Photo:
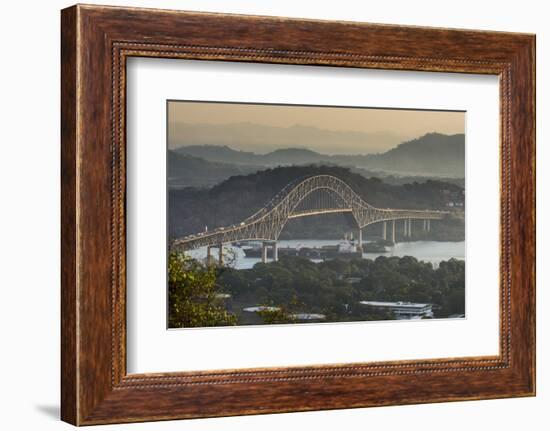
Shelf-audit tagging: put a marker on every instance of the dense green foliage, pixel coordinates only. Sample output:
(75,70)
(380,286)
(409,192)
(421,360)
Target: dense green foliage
(296,285)
(335,287)
(193,295)
(233,200)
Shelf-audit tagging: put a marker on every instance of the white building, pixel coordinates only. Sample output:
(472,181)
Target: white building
(402,310)
(308,317)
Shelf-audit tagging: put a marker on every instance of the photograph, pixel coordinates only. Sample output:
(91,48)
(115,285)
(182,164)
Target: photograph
(305,214)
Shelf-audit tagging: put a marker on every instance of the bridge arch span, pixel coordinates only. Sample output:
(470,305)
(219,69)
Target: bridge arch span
(267,223)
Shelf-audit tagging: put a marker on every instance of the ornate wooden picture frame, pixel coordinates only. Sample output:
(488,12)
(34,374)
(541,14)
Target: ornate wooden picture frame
(96,41)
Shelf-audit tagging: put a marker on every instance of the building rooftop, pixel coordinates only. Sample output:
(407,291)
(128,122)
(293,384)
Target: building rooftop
(308,316)
(395,304)
(260,308)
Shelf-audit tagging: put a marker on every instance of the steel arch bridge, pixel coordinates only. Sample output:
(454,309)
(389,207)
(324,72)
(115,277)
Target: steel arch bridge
(307,196)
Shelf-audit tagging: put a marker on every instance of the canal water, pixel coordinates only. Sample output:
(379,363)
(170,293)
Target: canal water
(428,251)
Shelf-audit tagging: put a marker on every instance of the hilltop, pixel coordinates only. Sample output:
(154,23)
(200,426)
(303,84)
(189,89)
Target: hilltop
(435,153)
(190,171)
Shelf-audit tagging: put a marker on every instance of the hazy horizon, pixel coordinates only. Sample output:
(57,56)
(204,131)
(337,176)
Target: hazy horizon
(327,130)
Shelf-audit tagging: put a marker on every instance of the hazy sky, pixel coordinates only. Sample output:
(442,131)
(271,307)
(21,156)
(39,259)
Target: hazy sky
(399,124)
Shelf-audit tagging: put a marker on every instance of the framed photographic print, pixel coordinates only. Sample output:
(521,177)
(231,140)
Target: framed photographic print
(267,215)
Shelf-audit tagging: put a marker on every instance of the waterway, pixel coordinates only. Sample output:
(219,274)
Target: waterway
(427,251)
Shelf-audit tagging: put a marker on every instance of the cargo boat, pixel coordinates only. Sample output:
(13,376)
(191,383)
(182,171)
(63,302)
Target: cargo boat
(344,250)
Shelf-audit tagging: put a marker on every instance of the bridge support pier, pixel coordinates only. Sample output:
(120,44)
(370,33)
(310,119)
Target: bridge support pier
(405,228)
(275,252)
(220,254)
(274,248)
(410,227)
(208,254)
(428,225)
(264,252)
(393,231)
(424,225)
(384,231)
(360,246)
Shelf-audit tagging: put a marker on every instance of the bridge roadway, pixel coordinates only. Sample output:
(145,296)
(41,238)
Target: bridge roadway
(319,194)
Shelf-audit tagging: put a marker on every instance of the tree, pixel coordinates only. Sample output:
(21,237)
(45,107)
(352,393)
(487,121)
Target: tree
(193,295)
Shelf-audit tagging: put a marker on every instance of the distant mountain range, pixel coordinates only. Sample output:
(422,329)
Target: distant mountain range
(433,154)
(250,136)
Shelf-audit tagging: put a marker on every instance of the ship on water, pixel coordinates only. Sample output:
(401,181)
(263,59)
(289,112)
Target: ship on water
(345,249)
